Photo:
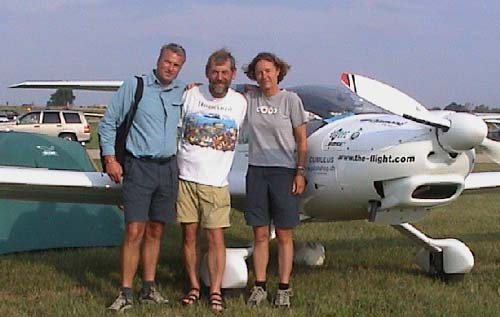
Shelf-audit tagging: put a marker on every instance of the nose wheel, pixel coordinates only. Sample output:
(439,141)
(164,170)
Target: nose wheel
(447,259)
(436,268)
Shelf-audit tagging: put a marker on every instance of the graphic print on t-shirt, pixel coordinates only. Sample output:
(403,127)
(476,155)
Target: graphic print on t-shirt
(210,130)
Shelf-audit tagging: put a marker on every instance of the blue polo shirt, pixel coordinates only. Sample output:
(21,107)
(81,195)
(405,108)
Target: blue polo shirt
(154,129)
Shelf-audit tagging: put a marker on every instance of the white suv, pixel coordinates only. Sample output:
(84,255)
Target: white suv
(66,124)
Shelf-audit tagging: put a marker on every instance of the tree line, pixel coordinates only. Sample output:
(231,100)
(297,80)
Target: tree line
(63,97)
(469,107)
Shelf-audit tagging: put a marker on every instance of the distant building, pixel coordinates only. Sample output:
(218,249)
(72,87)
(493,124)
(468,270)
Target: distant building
(27,106)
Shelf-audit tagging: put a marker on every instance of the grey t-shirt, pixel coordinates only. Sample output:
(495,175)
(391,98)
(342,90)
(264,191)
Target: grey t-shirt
(270,126)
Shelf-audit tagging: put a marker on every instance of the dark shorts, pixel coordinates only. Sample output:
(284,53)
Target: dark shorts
(269,197)
(149,190)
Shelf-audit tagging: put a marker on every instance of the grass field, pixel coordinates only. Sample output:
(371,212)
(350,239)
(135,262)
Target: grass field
(368,271)
(94,138)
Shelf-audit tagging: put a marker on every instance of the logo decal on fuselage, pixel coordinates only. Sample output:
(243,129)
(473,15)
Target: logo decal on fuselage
(378,159)
(336,135)
(321,164)
(47,150)
(385,122)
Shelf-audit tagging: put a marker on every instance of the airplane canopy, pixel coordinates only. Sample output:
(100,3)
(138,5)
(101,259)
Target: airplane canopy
(327,101)
(38,150)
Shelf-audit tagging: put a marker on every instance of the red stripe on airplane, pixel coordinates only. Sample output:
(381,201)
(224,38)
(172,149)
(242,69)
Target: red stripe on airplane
(345,79)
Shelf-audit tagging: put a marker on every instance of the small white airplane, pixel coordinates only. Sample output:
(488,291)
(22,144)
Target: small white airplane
(385,159)
(493,122)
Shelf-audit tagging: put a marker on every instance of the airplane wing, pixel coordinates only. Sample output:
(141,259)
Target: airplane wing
(94,85)
(489,117)
(43,184)
(482,180)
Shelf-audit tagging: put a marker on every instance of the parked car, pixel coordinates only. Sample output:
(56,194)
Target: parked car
(9,114)
(66,124)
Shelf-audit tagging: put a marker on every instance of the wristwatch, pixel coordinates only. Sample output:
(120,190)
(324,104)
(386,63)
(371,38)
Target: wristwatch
(300,170)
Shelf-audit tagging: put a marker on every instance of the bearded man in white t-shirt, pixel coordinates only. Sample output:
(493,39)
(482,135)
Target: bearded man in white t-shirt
(212,118)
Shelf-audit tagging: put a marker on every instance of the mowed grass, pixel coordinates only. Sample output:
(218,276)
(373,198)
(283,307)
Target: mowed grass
(94,137)
(368,271)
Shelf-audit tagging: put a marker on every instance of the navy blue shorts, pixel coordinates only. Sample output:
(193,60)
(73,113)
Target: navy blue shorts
(269,197)
(149,190)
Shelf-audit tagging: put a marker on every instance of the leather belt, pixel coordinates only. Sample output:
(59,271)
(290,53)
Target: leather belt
(159,160)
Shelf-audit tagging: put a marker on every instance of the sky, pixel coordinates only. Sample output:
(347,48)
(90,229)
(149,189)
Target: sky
(436,51)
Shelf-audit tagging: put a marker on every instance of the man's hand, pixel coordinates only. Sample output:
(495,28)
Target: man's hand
(191,85)
(113,168)
(299,184)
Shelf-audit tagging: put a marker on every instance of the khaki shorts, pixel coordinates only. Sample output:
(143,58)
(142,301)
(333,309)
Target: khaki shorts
(205,204)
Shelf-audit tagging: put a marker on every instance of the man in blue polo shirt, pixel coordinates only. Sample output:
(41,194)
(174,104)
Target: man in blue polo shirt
(150,171)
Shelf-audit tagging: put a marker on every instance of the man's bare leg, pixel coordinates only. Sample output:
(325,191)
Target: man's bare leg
(216,258)
(216,262)
(132,241)
(191,261)
(151,249)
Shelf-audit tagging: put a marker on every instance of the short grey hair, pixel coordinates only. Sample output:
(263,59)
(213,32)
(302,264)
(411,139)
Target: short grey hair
(219,57)
(174,47)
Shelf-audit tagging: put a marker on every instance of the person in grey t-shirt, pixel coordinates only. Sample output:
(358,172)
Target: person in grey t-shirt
(275,178)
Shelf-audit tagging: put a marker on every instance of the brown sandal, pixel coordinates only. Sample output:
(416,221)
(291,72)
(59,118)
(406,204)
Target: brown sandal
(191,297)
(216,302)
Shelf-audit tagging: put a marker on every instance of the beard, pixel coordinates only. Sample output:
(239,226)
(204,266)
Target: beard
(219,89)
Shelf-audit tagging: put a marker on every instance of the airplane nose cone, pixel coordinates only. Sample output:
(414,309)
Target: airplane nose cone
(466,132)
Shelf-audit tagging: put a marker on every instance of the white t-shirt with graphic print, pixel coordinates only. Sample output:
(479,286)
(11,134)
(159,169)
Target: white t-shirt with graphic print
(210,129)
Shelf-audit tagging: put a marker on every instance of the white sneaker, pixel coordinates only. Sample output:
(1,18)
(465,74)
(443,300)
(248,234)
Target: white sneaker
(121,303)
(282,299)
(257,295)
(153,297)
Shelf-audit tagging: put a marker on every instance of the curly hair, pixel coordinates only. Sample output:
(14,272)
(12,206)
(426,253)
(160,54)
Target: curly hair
(283,66)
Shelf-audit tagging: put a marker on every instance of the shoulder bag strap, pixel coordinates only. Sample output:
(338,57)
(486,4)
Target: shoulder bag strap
(133,109)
